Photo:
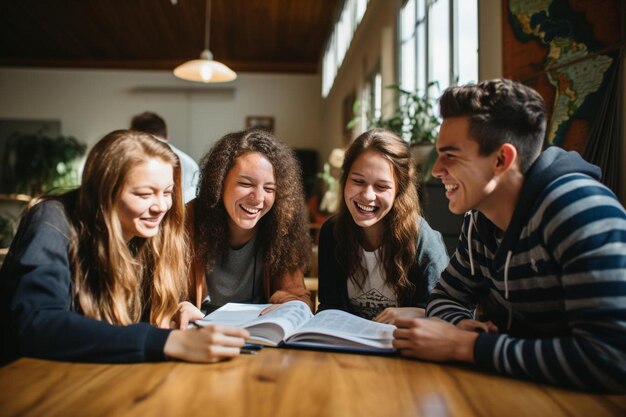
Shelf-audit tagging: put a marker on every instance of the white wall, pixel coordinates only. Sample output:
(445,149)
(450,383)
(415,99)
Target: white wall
(489,39)
(91,103)
(374,43)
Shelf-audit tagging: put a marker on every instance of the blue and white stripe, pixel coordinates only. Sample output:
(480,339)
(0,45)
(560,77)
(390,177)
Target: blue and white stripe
(566,281)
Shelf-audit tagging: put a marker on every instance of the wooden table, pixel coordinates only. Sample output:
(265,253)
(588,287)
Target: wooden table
(283,382)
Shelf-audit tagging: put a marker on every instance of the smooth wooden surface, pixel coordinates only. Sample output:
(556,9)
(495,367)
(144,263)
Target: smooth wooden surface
(283,382)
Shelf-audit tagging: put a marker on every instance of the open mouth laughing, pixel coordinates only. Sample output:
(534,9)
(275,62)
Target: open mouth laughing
(365,209)
(250,210)
(151,222)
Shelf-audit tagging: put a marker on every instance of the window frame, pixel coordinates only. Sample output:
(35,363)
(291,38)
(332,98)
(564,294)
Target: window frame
(424,51)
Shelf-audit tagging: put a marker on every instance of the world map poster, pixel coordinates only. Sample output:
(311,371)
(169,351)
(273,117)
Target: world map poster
(564,49)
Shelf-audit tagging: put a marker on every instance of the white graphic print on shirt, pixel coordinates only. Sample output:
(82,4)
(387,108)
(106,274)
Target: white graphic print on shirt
(375,295)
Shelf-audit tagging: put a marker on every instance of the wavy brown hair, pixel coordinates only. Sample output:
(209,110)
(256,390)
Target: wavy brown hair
(116,281)
(282,233)
(399,247)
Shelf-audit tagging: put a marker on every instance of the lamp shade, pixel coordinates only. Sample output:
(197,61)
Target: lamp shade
(205,70)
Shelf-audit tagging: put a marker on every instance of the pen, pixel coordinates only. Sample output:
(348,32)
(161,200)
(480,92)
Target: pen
(247,349)
(253,346)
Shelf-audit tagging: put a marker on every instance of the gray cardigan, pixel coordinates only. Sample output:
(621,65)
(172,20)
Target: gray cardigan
(333,289)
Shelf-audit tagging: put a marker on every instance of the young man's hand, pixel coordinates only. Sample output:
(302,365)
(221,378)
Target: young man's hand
(433,339)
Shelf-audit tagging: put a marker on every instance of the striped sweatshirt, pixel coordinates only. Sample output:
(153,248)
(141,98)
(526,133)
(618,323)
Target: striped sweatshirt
(554,283)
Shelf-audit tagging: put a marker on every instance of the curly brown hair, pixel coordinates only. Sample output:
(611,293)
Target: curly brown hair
(282,233)
(401,226)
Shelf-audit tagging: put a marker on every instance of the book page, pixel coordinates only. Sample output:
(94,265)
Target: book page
(272,327)
(317,340)
(290,316)
(341,323)
(233,314)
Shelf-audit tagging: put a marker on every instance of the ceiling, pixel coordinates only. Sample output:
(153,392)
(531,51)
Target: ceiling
(247,35)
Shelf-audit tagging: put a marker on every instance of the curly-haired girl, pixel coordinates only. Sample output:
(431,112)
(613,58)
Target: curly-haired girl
(378,258)
(248,224)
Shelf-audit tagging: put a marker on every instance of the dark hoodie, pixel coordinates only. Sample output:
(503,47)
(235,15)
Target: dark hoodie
(38,316)
(554,281)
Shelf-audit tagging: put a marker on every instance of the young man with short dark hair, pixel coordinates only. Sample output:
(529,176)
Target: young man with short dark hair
(542,251)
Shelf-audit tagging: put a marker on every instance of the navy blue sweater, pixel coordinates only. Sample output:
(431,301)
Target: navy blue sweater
(554,283)
(39,318)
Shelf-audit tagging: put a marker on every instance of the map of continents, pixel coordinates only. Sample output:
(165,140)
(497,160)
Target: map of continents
(573,77)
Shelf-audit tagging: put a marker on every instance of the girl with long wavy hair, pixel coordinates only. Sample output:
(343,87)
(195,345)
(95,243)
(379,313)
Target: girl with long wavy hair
(97,274)
(378,258)
(249,224)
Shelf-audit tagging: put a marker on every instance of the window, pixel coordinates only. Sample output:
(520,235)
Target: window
(438,43)
(376,95)
(339,41)
(371,99)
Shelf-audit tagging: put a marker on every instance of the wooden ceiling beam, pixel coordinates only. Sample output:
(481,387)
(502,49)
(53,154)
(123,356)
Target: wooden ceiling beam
(162,64)
(248,35)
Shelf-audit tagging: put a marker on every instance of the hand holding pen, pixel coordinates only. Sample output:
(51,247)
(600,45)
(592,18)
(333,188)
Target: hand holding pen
(211,343)
(247,349)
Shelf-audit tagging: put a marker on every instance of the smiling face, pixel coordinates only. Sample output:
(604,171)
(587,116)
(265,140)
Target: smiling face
(145,198)
(249,194)
(469,177)
(370,190)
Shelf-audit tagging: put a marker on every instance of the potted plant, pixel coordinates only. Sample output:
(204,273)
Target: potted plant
(414,120)
(330,199)
(33,164)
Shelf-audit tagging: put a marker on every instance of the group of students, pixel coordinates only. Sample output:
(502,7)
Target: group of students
(115,270)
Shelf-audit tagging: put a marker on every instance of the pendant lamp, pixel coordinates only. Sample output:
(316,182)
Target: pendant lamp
(205,69)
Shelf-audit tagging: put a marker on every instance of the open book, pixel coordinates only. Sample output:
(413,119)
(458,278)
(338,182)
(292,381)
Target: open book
(293,324)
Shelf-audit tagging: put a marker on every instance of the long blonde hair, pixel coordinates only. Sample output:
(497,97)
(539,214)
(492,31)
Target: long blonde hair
(116,281)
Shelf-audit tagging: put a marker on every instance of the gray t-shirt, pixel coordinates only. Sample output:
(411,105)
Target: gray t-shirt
(238,278)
